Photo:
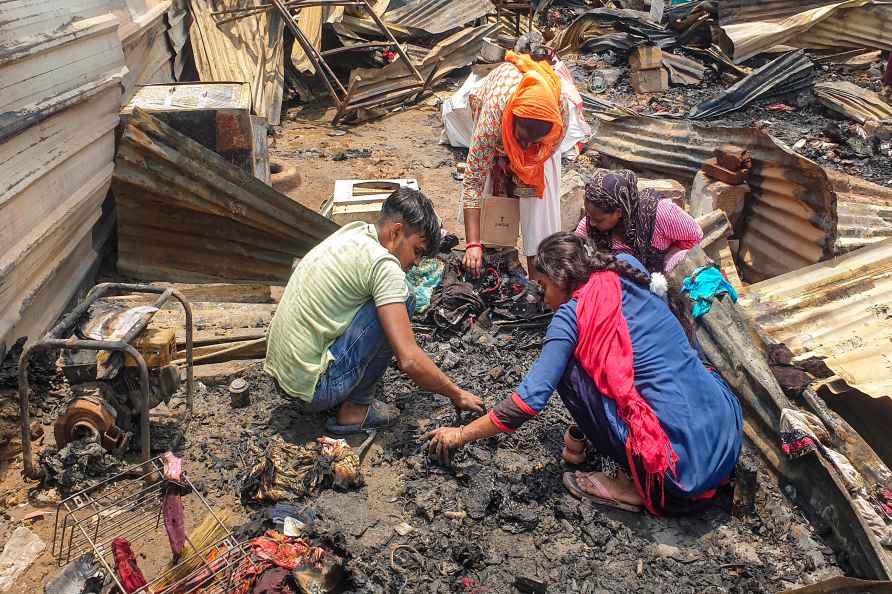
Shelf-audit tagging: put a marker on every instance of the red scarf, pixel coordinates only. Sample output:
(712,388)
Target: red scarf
(605,352)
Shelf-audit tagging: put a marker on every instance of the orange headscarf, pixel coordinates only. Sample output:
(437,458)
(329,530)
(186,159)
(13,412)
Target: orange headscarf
(538,96)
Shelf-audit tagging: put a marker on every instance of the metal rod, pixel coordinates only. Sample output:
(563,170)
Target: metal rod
(342,107)
(310,51)
(399,48)
(358,46)
(428,80)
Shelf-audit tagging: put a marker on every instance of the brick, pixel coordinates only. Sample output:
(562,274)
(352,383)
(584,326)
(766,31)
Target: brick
(646,58)
(733,158)
(716,171)
(650,81)
(708,195)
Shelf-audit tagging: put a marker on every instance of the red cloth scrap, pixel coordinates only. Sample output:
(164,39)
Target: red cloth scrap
(125,566)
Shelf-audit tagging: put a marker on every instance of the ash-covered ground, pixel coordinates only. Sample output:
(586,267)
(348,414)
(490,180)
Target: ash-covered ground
(498,520)
(830,139)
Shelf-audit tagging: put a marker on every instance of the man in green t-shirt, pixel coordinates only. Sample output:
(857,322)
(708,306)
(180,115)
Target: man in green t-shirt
(345,315)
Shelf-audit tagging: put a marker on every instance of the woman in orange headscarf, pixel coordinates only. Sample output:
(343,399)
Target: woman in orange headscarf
(519,113)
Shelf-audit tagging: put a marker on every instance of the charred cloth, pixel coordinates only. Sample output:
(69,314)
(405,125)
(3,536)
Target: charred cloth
(287,472)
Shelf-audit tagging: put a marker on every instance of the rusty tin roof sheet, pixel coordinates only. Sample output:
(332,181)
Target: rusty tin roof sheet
(186,214)
(852,101)
(839,311)
(792,220)
(748,11)
(438,16)
(865,211)
(852,24)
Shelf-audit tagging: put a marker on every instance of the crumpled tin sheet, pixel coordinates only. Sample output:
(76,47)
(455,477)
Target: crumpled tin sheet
(854,102)
(839,311)
(438,16)
(853,24)
(749,11)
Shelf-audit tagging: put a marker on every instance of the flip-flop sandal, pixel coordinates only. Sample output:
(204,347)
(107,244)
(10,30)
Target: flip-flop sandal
(603,499)
(377,417)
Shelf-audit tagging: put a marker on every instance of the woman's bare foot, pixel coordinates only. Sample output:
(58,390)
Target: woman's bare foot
(620,488)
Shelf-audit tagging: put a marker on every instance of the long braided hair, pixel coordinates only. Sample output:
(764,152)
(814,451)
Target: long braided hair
(569,260)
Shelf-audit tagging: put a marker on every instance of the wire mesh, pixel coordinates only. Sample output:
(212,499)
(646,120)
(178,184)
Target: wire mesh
(128,505)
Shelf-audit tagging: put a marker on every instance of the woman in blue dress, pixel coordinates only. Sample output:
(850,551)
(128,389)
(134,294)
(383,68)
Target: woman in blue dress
(630,379)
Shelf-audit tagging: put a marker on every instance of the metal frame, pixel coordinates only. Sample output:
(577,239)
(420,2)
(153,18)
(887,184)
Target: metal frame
(129,505)
(516,8)
(343,97)
(53,340)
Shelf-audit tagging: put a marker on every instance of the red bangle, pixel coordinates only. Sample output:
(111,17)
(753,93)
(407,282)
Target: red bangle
(473,245)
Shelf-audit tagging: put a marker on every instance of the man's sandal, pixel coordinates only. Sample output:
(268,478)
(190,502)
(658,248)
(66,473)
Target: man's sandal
(379,416)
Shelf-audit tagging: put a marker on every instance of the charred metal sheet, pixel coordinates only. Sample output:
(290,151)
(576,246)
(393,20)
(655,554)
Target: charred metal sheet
(853,24)
(790,73)
(852,101)
(186,214)
(438,16)
(791,221)
(608,28)
(839,311)
(683,70)
(737,353)
(248,49)
(865,211)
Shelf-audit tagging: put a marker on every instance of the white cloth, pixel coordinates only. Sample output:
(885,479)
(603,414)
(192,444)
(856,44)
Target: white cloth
(540,217)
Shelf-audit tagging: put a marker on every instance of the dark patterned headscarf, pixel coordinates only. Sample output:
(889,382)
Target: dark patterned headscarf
(618,190)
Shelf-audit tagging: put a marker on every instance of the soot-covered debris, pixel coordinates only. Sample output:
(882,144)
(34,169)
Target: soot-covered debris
(79,465)
(499,519)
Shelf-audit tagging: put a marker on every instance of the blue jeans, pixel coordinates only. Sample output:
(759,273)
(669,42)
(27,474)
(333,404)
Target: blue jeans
(361,356)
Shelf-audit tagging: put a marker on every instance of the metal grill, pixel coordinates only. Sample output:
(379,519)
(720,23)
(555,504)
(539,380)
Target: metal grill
(129,506)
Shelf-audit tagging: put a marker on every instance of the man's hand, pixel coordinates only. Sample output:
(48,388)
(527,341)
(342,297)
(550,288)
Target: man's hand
(467,401)
(474,261)
(445,441)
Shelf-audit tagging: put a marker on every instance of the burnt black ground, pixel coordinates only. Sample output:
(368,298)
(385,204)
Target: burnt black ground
(519,526)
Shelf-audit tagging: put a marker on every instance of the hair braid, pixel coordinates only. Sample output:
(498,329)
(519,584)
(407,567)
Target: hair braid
(570,260)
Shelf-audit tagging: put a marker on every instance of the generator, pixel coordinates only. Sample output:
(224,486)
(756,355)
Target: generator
(117,367)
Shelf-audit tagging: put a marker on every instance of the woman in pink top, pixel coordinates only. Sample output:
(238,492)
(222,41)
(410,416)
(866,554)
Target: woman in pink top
(645,224)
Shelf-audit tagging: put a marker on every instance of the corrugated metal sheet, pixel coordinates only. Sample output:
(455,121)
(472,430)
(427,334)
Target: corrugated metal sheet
(186,214)
(855,24)
(865,211)
(868,26)
(789,73)
(839,311)
(601,29)
(148,56)
(852,101)
(456,51)
(62,66)
(248,49)
(748,11)
(792,220)
(439,16)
